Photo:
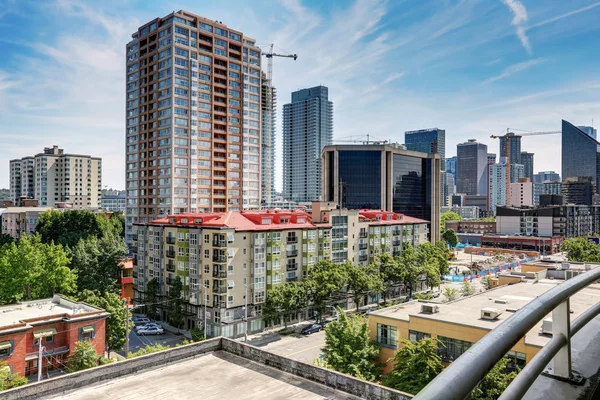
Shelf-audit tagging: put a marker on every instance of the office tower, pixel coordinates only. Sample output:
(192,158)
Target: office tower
(580,154)
(450,186)
(521,193)
(54,176)
(491,158)
(497,183)
(471,168)
(307,128)
(515,147)
(527,161)
(386,177)
(552,187)
(193,119)
(451,165)
(269,104)
(430,141)
(589,130)
(544,176)
(578,190)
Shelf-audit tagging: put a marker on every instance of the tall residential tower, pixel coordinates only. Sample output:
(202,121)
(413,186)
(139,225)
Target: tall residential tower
(307,128)
(193,119)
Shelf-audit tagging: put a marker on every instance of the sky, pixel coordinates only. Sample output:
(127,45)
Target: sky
(471,67)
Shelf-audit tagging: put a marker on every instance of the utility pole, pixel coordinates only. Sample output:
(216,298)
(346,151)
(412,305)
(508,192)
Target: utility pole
(246,313)
(126,329)
(205,302)
(40,349)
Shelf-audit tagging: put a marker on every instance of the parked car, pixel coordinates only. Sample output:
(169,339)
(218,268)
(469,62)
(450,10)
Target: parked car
(436,293)
(150,325)
(140,320)
(153,330)
(307,330)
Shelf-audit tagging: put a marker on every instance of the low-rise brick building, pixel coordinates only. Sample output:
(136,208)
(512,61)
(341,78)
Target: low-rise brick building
(57,322)
(472,226)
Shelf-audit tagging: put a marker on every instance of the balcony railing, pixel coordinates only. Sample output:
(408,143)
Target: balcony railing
(291,267)
(294,279)
(220,290)
(363,257)
(363,246)
(292,239)
(171,267)
(459,379)
(220,243)
(220,304)
(220,274)
(170,254)
(170,239)
(291,253)
(220,258)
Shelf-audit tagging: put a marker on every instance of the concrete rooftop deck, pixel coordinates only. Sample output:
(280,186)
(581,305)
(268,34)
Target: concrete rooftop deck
(218,375)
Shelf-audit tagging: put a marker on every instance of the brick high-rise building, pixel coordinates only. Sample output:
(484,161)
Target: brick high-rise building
(193,119)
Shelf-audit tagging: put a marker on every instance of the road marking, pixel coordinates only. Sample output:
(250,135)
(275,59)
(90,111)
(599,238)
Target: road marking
(300,351)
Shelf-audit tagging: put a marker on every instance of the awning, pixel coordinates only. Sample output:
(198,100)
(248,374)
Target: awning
(87,329)
(44,333)
(5,345)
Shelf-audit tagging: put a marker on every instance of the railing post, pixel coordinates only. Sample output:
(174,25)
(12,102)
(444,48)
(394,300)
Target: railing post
(561,324)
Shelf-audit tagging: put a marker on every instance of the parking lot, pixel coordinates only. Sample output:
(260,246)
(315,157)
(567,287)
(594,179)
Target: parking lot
(305,348)
(136,341)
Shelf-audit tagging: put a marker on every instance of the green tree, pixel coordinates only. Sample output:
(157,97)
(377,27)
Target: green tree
(581,249)
(97,262)
(197,335)
(486,282)
(450,293)
(9,380)
(348,348)
(30,269)
(362,281)
(284,300)
(83,357)
(116,322)
(417,364)
(324,279)
(148,350)
(495,382)
(68,227)
(450,237)
(408,262)
(5,238)
(392,272)
(448,216)
(467,289)
(151,298)
(175,307)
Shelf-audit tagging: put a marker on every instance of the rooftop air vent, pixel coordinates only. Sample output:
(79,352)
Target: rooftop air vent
(547,326)
(490,313)
(429,309)
(501,301)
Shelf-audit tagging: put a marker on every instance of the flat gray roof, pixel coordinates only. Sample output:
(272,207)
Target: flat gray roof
(48,308)
(467,310)
(219,375)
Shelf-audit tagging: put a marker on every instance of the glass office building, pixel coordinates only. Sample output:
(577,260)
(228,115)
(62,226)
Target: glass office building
(430,141)
(580,154)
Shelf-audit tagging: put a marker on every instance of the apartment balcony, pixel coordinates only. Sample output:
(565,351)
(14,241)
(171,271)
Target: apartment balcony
(221,259)
(396,232)
(396,253)
(220,243)
(363,257)
(363,234)
(170,281)
(292,239)
(220,274)
(395,243)
(291,253)
(171,266)
(363,246)
(171,253)
(171,239)
(220,290)
(294,279)
(291,267)
(220,304)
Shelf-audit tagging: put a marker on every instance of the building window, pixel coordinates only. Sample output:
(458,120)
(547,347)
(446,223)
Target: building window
(450,349)
(87,333)
(387,336)
(416,336)
(46,334)
(6,348)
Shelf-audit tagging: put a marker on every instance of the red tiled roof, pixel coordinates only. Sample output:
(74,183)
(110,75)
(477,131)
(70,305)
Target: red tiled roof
(381,217)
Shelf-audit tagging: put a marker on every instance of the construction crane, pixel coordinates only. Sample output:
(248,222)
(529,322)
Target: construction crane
(268,102)
(508,135)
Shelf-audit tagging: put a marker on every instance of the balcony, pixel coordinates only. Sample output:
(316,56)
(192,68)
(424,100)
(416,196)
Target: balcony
(294,279)
(396,232)
(291,253)
(292,239)
(220,274)
(291,267)
(171,253)
(221,259)
(171,239)
(363,234)
(363,257)
(220,290)
(395,243)
(220,243)
(220,304)
(171,266)
(363,246)
(562,369)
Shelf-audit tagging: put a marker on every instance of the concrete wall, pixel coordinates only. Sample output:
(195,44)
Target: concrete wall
(345,383)
(80,379)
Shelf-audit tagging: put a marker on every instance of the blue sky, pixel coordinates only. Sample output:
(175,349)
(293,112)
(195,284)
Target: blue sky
(473,68)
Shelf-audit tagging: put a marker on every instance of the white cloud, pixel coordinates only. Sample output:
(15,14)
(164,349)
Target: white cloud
(519,18)
(512,70)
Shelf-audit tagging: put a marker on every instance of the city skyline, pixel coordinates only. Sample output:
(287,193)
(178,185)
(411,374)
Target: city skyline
(51,86)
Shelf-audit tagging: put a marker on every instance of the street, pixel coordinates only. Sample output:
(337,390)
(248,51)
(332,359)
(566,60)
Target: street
(136,342)
(305,348)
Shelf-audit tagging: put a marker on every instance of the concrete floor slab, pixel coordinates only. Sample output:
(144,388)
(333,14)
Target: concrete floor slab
(219,375)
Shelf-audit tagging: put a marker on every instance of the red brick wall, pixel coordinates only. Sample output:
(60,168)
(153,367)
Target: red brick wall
(99,338)
(17,358)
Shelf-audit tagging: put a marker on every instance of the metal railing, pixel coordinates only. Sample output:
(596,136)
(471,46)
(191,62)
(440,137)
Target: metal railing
(459,379)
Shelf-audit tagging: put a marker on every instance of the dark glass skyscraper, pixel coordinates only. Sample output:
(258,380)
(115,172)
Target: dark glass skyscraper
(580,154)
(515,148)
(527,161)
(430,141)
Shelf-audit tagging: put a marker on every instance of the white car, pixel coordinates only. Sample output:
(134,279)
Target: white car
(140,320)
(153,330)
(149,325)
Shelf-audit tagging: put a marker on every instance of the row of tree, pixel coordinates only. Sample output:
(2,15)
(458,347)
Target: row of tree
(327,281)
(350,350)
(581,249)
